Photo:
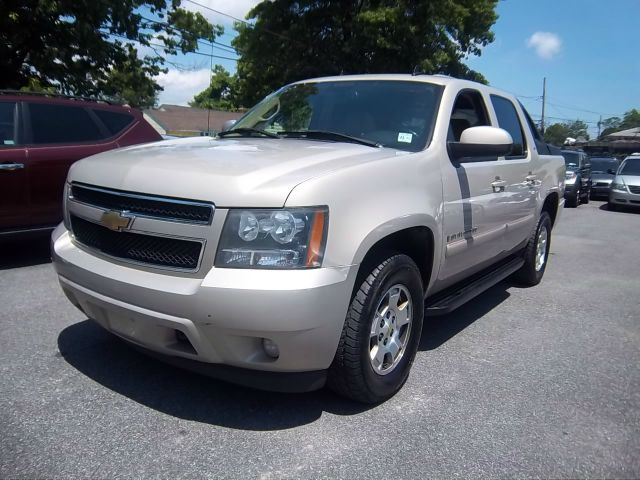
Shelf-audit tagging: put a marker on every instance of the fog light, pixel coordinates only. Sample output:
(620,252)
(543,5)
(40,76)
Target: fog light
(270,348)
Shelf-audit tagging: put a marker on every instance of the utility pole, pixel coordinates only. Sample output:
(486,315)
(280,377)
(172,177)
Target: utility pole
(599,123)
(544,99)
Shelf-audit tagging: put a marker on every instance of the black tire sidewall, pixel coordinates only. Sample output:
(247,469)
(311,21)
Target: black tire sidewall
(401,271)
(544,222)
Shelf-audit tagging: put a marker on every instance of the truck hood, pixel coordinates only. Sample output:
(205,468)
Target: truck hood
(243,172)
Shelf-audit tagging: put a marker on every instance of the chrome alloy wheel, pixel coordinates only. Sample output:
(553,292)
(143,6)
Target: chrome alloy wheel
(541,248)
(390,329)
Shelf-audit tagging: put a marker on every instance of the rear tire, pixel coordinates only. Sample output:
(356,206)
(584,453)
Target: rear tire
(536,254)
(387,309)
(586,197)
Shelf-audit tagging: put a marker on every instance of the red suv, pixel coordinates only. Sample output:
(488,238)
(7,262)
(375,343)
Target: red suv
(40,137)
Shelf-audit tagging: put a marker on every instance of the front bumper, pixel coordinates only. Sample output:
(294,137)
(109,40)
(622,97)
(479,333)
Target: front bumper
(220,319)
(600,190)
(624,198)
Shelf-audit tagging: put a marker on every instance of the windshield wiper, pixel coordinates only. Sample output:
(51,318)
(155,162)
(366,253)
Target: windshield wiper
(244,131)
(326,135)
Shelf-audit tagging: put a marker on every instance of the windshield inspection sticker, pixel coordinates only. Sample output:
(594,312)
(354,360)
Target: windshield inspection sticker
(405,137)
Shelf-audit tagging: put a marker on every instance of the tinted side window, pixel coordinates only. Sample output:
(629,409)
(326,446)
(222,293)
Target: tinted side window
(537,138)
(62,124)
(114,121)
(532,126)
(468,111)
(7,123)
(508,119)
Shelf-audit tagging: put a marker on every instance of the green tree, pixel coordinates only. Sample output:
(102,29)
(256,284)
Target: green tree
(89,47)
(610,125)
(295,39)
(630,119)
(557,133)
(219,95)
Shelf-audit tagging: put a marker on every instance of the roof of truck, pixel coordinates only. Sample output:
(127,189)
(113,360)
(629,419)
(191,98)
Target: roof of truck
(437,79)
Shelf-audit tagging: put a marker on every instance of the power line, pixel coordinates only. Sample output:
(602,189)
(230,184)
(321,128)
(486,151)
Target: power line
(563,119)
(208,44)
(567,106)
(164,46)
(219,12)
(252,25)
(532,97)
(579,109)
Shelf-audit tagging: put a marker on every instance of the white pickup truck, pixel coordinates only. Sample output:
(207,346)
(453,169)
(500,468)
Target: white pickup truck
(305,244)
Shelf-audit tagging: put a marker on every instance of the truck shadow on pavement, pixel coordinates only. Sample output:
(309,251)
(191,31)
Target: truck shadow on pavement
(110,362)
(25,253)
(438,330)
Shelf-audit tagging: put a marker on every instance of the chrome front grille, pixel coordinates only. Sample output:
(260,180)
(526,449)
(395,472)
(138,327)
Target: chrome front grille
(634,188)
(136,247)
(147,230)
(143,205)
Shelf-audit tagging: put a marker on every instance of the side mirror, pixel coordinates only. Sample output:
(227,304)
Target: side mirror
(478,144)
(228,124)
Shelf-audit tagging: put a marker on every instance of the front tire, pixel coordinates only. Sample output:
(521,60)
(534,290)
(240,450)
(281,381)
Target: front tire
(536,254)
(381,333)
(574,200)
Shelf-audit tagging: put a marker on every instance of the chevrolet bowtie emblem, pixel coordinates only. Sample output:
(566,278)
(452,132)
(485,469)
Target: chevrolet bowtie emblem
(116,221)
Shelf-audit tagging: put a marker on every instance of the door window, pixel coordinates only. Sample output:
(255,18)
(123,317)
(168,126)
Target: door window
(508,120)
(114,121)
(62,124)
(468,111)
(7,123)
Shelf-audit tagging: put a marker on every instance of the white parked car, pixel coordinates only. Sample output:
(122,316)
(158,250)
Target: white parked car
(625,187)
(299,247)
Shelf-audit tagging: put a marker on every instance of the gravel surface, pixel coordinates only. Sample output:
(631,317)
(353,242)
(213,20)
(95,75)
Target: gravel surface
(539,382)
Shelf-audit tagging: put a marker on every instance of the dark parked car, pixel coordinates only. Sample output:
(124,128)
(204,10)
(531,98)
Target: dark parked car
(603,169)
(40,137)
(578,177)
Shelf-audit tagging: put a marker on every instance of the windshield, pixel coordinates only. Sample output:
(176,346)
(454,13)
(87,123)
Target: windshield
(630,167)
(395,114)
(571,160)
(603,165)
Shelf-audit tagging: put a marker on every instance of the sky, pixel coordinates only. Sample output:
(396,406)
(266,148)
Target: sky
(586,49)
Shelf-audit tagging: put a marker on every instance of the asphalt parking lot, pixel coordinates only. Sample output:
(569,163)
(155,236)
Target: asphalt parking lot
(540,382)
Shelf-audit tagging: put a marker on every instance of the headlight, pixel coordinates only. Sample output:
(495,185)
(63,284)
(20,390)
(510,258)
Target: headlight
(570,177)
(619,186)
(283,238)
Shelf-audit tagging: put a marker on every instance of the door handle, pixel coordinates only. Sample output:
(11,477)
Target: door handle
(498,186)
(11,166)
(531,179)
